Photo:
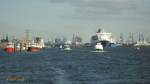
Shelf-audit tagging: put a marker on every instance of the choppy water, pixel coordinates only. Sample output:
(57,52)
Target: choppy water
(79,66)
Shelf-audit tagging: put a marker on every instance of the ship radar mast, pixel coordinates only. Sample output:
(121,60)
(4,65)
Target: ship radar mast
(99,30)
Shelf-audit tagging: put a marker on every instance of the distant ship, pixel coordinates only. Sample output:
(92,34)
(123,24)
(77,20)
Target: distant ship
(36,45)
(102,37)
(142,43)
(76,41)
(67,45)
(9,47)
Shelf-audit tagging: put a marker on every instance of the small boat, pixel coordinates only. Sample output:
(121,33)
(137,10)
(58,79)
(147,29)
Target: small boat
(60,46)
(99,47)
(138,48)
(67,47)
(10,47)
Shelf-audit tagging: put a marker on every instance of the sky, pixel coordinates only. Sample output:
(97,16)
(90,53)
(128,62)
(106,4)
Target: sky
(63,18)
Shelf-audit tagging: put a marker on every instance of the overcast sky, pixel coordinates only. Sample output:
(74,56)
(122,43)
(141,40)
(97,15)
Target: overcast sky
(63,18)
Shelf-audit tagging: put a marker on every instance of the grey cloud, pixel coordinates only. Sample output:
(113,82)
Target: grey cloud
(108,4)
(95,8)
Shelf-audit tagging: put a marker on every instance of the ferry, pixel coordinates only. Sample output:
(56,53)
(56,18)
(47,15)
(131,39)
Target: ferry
(104,38)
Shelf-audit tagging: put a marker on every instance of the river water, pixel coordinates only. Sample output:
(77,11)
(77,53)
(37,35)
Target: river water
(78,66)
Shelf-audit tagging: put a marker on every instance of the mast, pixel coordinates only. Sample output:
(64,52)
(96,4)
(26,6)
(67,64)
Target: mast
(121,38)
(132,37)
(27,35)
(139,37)
(142,37)
(7,39)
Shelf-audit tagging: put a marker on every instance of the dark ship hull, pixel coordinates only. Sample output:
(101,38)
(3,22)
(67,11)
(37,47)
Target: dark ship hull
(105,44)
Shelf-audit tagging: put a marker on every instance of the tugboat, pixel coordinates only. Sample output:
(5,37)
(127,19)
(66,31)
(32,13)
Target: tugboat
(34,48)
(36,45)
(9,47)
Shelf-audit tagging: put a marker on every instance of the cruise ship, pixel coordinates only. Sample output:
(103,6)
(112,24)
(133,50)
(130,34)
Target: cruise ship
(104,38)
